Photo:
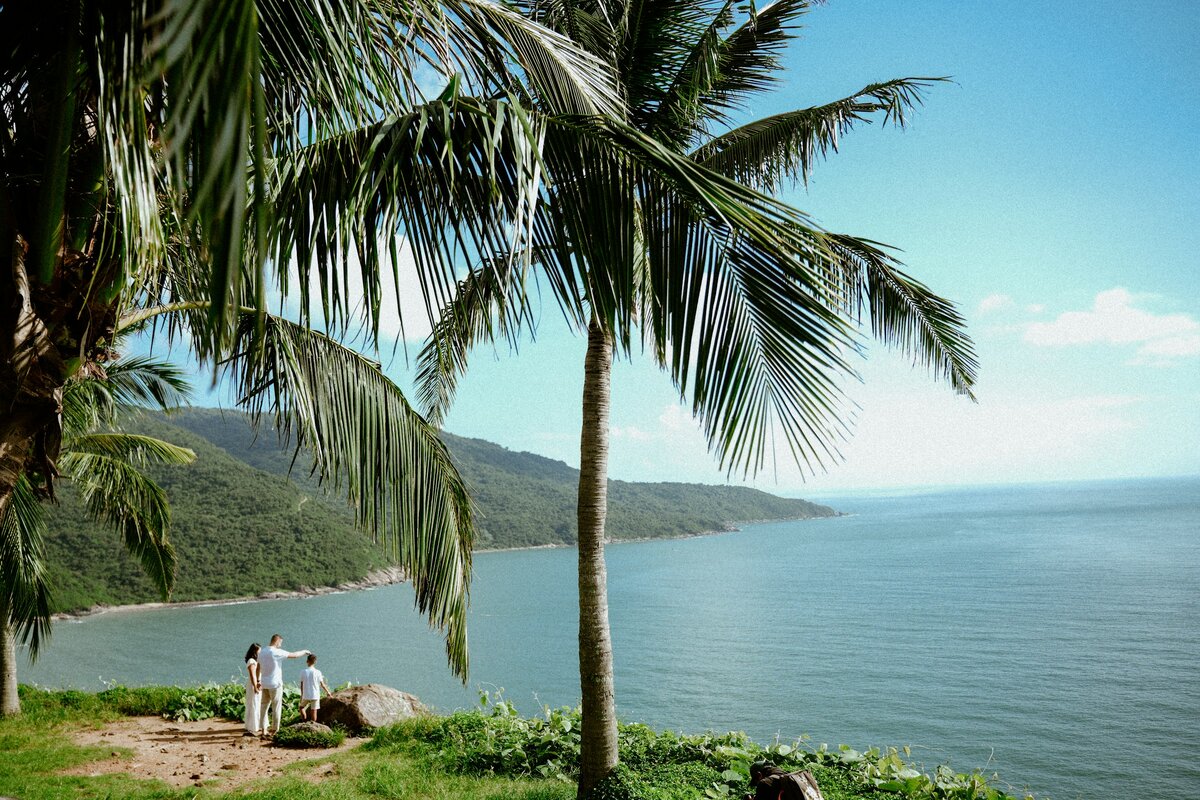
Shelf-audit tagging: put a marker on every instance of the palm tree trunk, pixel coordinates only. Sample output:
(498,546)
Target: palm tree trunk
(598,737)
(17,434)
(10,702)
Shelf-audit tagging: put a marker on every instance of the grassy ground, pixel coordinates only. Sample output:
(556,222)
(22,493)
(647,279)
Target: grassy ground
(37,746)
(491,754)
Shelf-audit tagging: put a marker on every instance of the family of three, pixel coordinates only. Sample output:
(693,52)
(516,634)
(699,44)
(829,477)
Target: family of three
(264,686)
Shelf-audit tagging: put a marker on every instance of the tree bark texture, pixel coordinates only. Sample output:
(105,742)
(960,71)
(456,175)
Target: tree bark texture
(32,374)
(10,702)
(598,736)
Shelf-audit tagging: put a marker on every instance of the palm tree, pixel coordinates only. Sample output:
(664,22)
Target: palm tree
(748,305)
(104,465)
(167,165)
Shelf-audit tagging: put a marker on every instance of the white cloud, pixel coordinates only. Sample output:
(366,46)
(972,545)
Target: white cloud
(1172,346)
(995,302)
(675,428)
(631,433)
(1114,318)
(677,418)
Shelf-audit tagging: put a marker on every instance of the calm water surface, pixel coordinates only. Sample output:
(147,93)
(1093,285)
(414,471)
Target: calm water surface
(1050,633)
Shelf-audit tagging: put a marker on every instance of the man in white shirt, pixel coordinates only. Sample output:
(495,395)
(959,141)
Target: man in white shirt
(270,671)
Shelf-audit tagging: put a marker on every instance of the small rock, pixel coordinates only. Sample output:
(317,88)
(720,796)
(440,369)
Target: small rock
(163,750)
(230,767)
(203,758)
(195,777)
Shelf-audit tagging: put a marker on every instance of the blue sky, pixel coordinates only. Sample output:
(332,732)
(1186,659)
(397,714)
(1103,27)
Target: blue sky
(1050,191)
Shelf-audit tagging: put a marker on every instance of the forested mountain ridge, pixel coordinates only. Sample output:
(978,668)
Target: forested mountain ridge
(248,519)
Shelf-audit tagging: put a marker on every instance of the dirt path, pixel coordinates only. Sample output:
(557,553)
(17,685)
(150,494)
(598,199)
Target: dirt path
(191,753)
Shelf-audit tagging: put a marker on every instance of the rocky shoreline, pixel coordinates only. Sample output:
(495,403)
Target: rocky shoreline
(380,577)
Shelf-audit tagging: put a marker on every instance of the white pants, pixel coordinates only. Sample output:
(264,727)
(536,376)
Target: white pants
(272,705)
(251,709)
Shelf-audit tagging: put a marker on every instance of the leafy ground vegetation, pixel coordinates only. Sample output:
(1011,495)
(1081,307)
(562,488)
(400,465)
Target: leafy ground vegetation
(486,754)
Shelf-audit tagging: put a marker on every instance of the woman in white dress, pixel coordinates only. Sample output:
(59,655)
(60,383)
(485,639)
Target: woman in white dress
(253,690)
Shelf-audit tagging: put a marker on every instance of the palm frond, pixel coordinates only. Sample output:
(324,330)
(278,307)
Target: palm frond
(146,381)
(748,58)
(674,118)
(245,79)
(764,153)
(367,441)
(565,78)
(747,336)
(655,41)
(735,291)
(456,177)
(95,400)
(24,584)
(210,56)
(330,65)
(144,202)
(134,448)
(116,494)
(904,313)
(489,303)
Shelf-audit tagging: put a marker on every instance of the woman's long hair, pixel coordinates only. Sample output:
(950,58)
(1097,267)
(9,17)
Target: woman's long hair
(252,652)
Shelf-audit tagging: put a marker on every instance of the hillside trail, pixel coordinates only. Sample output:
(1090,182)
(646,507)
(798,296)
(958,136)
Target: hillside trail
(209,752)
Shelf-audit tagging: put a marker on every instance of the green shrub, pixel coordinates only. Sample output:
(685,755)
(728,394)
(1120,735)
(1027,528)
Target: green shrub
(622,784)
(643,748)
(683,781)
(53,706)
(548,791)
(402,735)
(498,741)
(298,737)
(141,701)
(226,700)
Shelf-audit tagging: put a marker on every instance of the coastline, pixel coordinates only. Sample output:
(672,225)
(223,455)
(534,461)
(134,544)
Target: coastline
(374,579)
(390,575)
(730,527)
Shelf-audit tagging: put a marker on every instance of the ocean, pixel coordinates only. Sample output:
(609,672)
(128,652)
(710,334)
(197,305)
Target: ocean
(1049,633)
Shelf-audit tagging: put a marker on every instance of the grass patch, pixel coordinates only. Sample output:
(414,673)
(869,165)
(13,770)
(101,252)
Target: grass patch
(294,737)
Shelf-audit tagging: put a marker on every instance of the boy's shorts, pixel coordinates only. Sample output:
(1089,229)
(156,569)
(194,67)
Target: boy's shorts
(313,704)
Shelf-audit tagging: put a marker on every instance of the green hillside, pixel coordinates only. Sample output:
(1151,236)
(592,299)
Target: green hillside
(248,520)
(238,531)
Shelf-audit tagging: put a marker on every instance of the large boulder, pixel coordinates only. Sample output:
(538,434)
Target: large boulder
(360,708)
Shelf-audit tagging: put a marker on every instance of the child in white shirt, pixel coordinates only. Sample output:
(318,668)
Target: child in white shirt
(311,684)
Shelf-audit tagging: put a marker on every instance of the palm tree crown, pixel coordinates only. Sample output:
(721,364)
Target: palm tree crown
(173,162)
(670,239)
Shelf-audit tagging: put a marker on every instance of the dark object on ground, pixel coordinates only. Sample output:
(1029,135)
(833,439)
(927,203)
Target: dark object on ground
(309,734)
(361,708)
(770,782)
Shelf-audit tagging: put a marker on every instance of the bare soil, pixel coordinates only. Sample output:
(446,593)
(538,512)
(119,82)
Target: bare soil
(193,753)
